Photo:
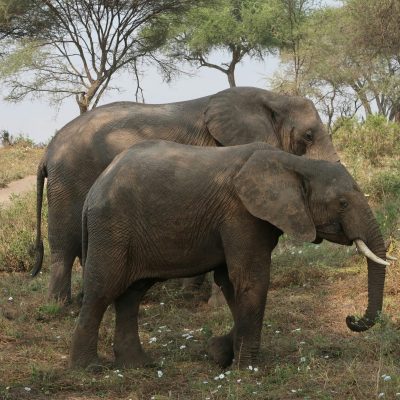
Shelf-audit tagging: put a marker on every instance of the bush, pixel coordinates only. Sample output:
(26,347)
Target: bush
(374,139)
(384,184)
(18,232)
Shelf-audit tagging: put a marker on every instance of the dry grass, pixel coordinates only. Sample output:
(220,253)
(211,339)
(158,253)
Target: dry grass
(18,161)
(307,351)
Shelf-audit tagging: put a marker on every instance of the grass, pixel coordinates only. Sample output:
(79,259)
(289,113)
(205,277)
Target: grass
(18,161)
(307,352)
(18,232)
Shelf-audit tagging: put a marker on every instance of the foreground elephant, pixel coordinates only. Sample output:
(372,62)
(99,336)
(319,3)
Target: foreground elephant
(152,216)
(83,148)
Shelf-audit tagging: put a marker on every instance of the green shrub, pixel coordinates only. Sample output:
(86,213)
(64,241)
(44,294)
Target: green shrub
(384,184)
(373,140)
(18,232)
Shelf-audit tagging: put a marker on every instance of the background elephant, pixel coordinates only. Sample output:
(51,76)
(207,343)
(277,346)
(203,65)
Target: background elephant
(151,216)
(82,149)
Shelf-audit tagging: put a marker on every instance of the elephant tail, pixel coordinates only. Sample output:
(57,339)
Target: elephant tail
(39,250)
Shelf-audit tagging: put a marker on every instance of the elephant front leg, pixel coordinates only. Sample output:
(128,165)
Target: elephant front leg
(127,348)
(248,316)
(220,348)
(245,286)
(247,304)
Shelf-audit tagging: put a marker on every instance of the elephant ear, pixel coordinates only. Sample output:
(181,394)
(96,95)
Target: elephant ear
(271,189)
(243,115)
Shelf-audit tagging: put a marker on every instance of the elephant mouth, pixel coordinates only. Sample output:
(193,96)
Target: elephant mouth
(333,232)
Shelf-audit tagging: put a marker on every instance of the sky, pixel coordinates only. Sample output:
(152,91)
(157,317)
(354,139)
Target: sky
(39,120)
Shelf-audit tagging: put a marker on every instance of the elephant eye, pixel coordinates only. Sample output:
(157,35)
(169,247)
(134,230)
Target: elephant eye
(343,203)
(309,136)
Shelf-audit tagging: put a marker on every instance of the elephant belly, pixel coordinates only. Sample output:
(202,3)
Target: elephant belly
(180,261)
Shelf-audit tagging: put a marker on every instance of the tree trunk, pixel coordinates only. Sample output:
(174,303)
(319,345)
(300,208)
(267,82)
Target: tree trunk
(82,102)
(231,77)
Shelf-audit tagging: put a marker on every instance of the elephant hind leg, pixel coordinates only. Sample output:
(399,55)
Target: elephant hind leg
(127,348)
(85,337)
(60,276)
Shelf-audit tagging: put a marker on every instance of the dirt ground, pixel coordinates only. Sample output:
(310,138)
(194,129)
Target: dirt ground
(17,187)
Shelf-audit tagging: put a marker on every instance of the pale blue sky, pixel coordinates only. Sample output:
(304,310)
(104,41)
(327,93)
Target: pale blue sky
(39,120)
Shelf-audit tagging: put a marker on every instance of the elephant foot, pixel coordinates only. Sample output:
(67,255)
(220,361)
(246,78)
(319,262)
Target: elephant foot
(220,349)
(134,360)
(90,363)
(61,296)
(217,298)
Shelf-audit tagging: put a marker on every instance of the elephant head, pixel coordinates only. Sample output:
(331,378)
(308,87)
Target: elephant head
(311,200)
(244,115)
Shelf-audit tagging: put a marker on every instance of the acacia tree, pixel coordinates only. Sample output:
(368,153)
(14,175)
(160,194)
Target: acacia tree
(237,28)
(21,18)
(293,19)
(339,76)
(88,43)
(376,26)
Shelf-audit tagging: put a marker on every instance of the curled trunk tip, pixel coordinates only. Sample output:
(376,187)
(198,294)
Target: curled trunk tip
(359,325)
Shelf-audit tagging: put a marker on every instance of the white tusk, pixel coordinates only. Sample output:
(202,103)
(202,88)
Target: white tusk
(363,249)
(391,258)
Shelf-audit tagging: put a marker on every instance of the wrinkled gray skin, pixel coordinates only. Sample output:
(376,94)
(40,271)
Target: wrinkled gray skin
(84,148)
(151,216)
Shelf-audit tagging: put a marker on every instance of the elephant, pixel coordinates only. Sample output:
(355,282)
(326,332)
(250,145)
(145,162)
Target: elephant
(152,216)
(83,148)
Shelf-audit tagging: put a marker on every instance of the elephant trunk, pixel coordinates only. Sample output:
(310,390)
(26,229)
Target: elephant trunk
(376,280)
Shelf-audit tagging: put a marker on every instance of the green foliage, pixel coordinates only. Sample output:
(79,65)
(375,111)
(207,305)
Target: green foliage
(374,139)
(236,28)
(376,24)
(18,232)
(50,309)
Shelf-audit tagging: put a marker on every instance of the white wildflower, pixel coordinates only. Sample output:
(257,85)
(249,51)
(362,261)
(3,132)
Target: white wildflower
(28,389)
(182,347)
(10,298)
(160,374)
(153,339)
(302,359)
